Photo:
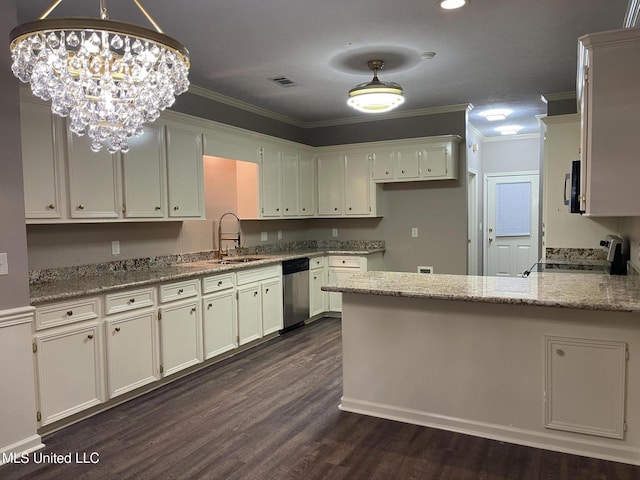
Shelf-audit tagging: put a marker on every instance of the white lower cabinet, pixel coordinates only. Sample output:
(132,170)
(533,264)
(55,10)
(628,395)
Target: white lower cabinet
(340,268)
(219,319)
(69,370)
(132,352)
(259,302)
(317,277)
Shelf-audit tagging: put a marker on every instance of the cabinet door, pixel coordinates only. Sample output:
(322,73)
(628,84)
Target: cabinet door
(383,167)
(69,371)
(357,184)
(219,318)
(317,298)
(407,163)
(185,173)
(132,354)
(271,183)
(289,164)
(336,275)
(330,185)
(180,336)
(249,313)
(272,320)
(433,162)
(306,185)
(143,172)
(94,187)
(41,133)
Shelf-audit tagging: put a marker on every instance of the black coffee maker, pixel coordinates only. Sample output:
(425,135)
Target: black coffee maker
(616,257)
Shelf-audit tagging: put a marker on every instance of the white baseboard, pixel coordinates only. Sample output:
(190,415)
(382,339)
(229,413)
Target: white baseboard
(530,438)
(27,445)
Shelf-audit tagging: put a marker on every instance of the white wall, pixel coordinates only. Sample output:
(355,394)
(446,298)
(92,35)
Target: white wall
(511,154)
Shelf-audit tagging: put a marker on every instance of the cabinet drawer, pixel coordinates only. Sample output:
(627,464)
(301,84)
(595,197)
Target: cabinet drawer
(318,262)
(345,261)
(67,312)
(179,290)
(218,283)
(130,300)
(258,274)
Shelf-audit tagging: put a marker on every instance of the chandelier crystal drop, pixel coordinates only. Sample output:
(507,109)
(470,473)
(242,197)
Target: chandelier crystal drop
(107,77)
(375,96)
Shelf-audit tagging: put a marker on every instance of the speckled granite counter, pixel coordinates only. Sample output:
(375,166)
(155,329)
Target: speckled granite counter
(570,290)
(72,286)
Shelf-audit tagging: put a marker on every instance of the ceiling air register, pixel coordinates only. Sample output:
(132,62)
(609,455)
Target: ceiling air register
(108,77)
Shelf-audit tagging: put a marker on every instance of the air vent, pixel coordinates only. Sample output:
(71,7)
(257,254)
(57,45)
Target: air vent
(283,81)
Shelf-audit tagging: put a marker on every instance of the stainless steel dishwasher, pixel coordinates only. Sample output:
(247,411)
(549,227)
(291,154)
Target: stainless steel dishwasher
(295,292)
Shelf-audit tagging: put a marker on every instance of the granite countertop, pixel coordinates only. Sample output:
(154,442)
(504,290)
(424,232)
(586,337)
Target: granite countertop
(79,285)
(569,290)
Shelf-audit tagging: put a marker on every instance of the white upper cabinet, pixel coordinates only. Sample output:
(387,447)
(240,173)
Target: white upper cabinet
(383,165)
(185,171)
(94,180)
(306,185)
(330,185)
(357,177)
(289,166)
(609,99)
(41,161)
(144,175)
(271,182)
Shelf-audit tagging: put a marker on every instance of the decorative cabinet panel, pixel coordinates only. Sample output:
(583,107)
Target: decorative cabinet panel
(132,353)
(94,181)
(69,370)
(41,161)
(608,99)
(144,175)
(184,172)
(220,323)
(330,185)
(180,336)
(429,158)
(271,182)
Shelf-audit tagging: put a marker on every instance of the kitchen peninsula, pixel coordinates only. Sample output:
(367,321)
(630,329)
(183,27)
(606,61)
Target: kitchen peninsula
(550,361)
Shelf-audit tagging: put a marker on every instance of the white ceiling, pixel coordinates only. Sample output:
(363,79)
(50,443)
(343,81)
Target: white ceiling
(491,53)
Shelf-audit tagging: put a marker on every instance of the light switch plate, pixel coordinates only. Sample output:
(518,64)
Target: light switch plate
(264,236)
(414,232)
(115,247)
(4,266)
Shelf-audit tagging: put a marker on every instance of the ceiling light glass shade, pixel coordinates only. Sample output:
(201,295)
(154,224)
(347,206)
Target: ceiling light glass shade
(376,96)
(496,114)
(452,4)
(108,77)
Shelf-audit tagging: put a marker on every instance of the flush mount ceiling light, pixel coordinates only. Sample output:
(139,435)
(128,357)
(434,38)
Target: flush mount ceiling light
(496,114)
(452,4)
(509,129)
(108,77)
(375,96)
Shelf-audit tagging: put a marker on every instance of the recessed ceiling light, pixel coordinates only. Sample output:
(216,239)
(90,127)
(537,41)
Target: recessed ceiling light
(496,114)
(452,4)
(509,129)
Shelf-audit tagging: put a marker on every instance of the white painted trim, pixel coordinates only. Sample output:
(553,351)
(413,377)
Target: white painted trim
(28,445)
(477,133)
(506,138)
(559,119)
(631,17)
(551,97)
(216,97)
(519,436)
(16,316)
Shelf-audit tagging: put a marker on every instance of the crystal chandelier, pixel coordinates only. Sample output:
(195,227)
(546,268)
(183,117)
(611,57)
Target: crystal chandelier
(108,77)
(375,96)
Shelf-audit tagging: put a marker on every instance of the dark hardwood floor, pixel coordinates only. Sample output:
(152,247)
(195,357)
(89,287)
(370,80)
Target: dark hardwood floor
(272,413)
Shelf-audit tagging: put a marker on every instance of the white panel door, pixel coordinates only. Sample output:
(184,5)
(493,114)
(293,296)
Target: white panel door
(357,182)
(330,185)
(180,336)
(220,334)
(249,313)
(184,173)
(306,185)
(511,236)
(270,167)
(272,320)
(289,165)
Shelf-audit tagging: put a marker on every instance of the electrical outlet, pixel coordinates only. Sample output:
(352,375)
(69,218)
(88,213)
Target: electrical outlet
(115,247)
(4,266)
(264,236)
(414,232)
(279,234)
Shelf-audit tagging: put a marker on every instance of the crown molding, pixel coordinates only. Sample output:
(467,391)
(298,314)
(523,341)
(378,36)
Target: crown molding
(554,97)
(239,104)
(631,17)
(558,119)
(506,138)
